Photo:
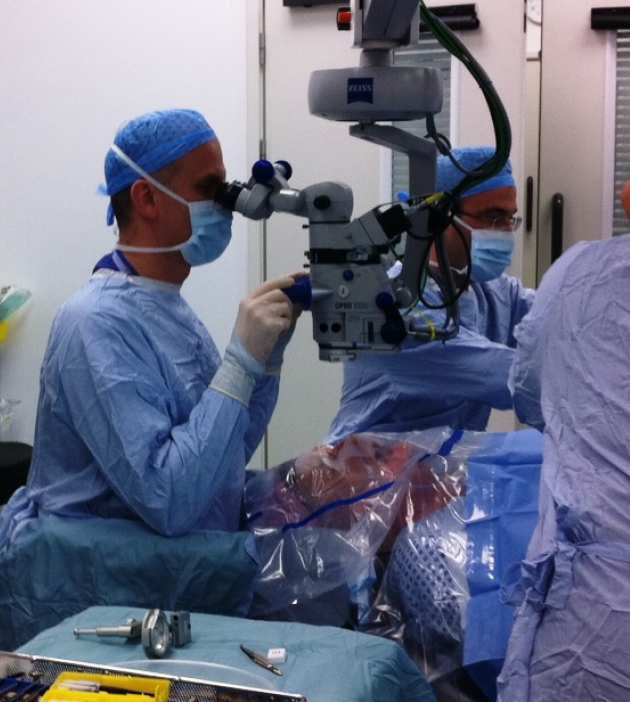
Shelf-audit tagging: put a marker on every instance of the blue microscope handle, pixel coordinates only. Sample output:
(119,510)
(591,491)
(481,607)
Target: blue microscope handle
(301,293)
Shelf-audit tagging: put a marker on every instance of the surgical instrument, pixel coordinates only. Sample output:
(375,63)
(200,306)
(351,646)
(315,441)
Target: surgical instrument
(260,660)
(154,631)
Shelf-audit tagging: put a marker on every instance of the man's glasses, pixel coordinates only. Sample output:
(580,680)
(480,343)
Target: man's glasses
(498,222)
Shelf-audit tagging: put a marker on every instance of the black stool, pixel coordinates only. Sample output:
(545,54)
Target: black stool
(15,460)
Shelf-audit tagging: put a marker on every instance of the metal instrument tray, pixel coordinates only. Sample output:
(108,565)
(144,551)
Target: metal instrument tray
(182,688)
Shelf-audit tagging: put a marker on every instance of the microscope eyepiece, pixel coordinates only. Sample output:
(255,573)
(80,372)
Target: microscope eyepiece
(227,194)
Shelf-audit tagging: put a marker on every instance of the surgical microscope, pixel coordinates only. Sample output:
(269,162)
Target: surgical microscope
(360,301)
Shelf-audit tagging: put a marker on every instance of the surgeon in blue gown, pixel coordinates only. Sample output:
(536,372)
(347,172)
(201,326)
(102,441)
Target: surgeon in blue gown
(139,417)
(459,382)
(571,377)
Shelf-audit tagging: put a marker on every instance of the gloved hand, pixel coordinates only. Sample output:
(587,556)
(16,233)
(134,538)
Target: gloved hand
(274,360)
(263,317)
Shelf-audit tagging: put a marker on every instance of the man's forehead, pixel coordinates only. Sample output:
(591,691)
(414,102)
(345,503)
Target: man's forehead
(498,199)
(204,161)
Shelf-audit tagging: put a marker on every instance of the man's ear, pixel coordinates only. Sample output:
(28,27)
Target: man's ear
(143,200)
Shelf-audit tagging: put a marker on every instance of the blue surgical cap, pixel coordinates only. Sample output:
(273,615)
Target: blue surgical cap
(153,141)
(448,176)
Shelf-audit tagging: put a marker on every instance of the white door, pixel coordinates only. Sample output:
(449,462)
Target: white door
(298,41)
(581,151)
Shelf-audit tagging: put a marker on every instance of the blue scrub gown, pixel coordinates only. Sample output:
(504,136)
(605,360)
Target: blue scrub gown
(127,425)
(455,384)
(571,637)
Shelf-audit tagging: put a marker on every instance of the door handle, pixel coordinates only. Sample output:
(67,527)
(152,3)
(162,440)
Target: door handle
(529,205)
(557,223)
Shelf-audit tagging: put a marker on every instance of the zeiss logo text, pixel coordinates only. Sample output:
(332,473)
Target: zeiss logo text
(361,90)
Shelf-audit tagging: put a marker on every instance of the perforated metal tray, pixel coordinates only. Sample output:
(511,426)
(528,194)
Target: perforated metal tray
(183,689)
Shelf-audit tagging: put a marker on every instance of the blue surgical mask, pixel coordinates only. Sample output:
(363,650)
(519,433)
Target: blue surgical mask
(490,252)
(210,224)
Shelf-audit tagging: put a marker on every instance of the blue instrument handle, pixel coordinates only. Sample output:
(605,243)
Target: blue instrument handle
(301,293)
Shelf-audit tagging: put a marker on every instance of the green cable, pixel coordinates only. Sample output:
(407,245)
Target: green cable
(500,120)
